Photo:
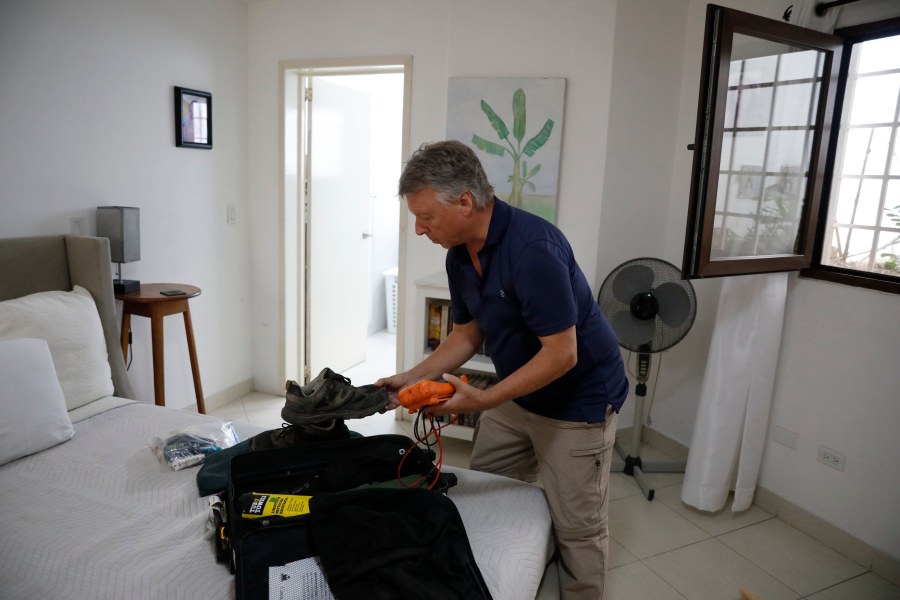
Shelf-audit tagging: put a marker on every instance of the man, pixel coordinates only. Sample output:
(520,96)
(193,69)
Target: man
(515,285)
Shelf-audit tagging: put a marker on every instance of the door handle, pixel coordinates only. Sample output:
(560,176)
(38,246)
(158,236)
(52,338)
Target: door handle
(367,235)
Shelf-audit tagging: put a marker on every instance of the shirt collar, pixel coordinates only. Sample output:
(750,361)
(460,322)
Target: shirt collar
(499,223)
(500,217)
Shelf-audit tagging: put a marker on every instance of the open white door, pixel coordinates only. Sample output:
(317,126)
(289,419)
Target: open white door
(338,256)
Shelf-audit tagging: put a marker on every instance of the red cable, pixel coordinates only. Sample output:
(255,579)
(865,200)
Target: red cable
(439,463)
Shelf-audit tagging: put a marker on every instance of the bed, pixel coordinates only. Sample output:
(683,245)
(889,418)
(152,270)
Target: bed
(86,508)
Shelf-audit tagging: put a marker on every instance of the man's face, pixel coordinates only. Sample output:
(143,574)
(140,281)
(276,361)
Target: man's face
(443,224)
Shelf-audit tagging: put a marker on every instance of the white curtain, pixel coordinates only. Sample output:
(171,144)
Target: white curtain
(733,415)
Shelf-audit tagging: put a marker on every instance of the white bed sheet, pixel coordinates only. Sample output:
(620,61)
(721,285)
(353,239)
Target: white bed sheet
(99,517)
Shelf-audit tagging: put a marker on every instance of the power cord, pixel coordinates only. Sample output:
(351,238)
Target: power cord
(428,434)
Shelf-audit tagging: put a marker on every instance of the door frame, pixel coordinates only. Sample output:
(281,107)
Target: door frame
(292,172)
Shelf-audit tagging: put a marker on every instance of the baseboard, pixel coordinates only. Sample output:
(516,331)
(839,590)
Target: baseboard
(656,440)
(837,539)
(229,395)
(881,563)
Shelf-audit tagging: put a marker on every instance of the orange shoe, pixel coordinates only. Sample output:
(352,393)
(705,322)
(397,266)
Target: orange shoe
(425,393)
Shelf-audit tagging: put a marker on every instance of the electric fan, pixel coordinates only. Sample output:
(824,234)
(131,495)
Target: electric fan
(650,308)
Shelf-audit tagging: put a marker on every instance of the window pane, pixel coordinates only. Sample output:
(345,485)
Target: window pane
(888,259)
(749,149)
(800,65)
(787,150)
(851,248)
(792,104)
(738,238)
(753,106)
(858,202)
(879,55)
(725,162)
(865,150)
(749,185)
(874,100)
(754,70)
(895,155)
(891,216)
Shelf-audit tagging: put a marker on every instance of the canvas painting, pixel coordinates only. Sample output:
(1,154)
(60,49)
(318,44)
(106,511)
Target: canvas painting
(515,127)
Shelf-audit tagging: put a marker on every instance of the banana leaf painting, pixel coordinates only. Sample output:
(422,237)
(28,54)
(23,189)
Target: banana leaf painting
(515,127)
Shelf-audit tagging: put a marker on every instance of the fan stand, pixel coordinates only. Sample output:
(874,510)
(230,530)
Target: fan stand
(634,466)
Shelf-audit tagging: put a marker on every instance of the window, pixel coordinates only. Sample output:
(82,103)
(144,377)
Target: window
(859,242)
(790,172)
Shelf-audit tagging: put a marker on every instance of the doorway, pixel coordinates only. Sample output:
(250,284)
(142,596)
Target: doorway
(345,136)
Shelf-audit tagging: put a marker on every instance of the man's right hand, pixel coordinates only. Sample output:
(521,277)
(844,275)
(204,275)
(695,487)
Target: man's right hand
(394,384)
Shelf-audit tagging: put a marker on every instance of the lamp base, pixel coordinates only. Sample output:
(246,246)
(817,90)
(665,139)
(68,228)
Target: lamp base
(126,286)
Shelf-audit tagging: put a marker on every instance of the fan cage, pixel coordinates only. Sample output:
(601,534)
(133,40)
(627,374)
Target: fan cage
(617,311)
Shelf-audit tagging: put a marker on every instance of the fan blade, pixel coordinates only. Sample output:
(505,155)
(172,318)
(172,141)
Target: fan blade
(674,304)
(632,332)
(632,280)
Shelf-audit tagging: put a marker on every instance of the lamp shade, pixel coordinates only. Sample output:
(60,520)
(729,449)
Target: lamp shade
(122,225)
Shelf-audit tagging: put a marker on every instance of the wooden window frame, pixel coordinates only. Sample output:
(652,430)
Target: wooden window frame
(721,25)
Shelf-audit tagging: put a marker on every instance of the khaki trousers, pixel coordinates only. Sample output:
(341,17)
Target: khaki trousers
(573,461)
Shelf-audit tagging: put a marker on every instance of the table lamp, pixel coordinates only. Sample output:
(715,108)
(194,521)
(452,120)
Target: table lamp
(122,225)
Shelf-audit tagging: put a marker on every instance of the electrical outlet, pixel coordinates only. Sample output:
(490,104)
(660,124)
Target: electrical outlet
(832,458)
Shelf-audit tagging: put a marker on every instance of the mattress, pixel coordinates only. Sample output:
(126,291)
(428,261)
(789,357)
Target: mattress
(99,517)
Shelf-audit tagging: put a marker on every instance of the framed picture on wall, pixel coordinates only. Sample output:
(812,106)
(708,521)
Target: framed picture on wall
(193,118)
(520,155)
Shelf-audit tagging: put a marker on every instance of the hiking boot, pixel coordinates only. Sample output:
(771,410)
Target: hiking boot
(330,396)
(296,435)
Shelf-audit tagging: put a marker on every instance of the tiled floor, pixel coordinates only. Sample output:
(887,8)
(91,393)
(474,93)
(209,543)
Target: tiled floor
(660,550)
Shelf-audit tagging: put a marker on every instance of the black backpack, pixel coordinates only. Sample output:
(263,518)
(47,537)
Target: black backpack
(373,536)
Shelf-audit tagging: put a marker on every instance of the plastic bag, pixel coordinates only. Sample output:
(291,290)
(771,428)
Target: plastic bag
(190,446)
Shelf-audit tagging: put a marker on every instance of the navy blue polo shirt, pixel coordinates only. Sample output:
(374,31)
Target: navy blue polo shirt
(532,287)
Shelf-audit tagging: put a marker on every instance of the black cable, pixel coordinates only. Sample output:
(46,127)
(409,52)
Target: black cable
(130,352)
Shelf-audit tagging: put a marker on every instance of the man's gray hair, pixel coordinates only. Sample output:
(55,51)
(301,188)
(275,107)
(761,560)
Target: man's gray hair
(449,168)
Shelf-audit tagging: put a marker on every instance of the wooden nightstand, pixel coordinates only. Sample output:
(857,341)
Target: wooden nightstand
(151,303)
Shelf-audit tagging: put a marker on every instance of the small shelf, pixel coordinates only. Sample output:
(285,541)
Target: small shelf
(478,363)
(460,432)
(433,290)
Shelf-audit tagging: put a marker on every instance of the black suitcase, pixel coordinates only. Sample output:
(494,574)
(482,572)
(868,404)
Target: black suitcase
(253,546)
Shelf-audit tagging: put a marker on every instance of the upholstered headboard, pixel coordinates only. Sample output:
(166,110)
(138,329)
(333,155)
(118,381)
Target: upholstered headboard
(59,262)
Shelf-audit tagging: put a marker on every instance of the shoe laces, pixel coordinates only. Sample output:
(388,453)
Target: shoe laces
(287,428)
(339,377)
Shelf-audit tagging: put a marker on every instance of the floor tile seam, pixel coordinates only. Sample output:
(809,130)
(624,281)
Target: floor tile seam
(659,575)
(675,549)
(736,529)
(802,594)
(842,582)
(681,518)
(815,541)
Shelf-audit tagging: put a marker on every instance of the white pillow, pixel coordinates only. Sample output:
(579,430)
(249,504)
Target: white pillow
(33,413)
(71,325)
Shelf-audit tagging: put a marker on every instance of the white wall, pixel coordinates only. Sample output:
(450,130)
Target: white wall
(87,119)
(446,39)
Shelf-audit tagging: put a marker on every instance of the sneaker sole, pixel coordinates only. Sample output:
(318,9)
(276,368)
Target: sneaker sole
(297,418)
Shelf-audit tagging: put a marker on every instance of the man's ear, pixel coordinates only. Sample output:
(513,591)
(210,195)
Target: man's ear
(466,203)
